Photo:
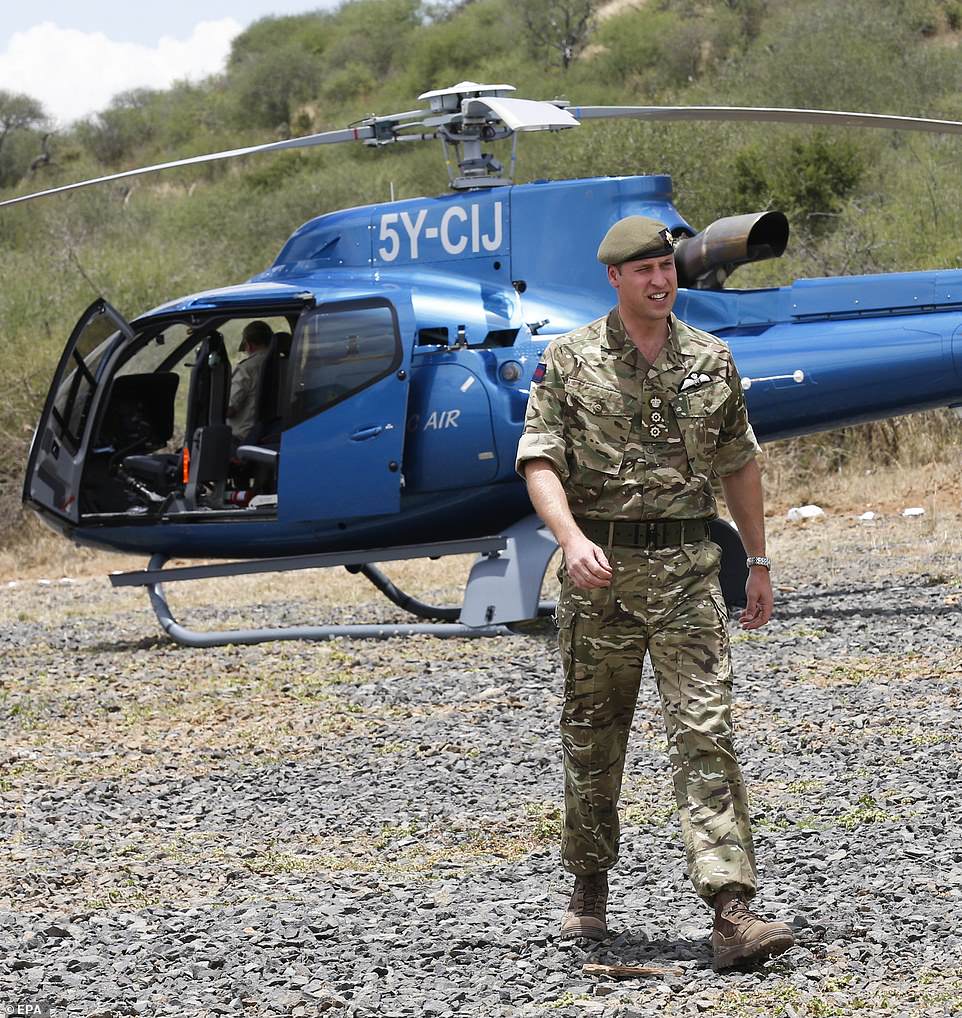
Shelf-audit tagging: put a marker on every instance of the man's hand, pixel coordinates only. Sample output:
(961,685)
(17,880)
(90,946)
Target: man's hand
(586,563)
(743,493)
(758,590)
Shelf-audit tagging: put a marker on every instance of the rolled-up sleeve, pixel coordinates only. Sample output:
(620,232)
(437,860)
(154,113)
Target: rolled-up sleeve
(543,435)
(737,444)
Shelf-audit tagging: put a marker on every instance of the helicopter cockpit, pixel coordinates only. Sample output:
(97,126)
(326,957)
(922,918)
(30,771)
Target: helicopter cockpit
(163,443)
(140,424)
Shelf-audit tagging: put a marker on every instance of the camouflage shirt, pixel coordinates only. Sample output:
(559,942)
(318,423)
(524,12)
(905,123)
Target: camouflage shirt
(633,441)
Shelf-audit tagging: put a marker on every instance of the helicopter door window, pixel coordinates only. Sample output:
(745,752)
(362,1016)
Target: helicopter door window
(338,352)
(72,403)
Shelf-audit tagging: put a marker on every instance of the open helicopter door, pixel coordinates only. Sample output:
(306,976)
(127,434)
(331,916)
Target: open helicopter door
(348,380)
(56,461)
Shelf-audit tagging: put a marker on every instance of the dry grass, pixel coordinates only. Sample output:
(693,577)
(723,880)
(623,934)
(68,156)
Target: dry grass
(873,668)
(884,466)
(32,551)
(923,549)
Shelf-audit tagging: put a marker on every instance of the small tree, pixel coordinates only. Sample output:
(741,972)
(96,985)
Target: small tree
(18,112)
(269,89)
(561,27)
(127,124)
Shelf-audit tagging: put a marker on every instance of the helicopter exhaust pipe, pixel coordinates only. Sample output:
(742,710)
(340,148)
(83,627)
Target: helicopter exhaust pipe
(706,260)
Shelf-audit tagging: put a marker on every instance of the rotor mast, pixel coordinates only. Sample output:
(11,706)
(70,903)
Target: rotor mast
(468,116)
(468,132)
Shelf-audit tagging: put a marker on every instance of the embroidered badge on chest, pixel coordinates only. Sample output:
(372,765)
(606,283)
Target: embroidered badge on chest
(654,424)
(694,379)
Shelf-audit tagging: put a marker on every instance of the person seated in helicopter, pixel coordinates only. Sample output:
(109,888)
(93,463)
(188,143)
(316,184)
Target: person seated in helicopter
(242,405)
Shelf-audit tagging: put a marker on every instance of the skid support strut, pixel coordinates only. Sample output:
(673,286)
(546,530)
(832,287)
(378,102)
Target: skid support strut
(504,586)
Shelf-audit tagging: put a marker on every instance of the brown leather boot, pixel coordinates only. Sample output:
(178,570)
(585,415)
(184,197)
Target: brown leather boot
(741,937)
(586,910)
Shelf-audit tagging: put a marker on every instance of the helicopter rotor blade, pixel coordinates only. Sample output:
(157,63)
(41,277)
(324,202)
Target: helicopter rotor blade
(378,130)
(768,114)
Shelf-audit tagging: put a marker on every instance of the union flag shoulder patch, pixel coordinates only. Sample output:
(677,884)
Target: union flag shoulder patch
(539,373)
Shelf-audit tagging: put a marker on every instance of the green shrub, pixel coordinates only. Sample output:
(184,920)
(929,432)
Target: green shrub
(308,32)
(376,32)
(268,89)
(448,50)
(664,48)
(808,179)
(349,82)
(923,16)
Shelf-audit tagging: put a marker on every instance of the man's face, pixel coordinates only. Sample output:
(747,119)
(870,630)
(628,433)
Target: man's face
(647,287)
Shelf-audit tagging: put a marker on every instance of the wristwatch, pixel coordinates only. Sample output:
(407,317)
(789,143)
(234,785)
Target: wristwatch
(759,560)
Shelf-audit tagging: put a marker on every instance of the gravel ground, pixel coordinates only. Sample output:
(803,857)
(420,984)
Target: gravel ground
(371,828)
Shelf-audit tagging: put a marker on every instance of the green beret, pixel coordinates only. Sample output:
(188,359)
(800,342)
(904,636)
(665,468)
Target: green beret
(635,237)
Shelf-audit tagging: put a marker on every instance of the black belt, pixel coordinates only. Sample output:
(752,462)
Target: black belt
(646,533)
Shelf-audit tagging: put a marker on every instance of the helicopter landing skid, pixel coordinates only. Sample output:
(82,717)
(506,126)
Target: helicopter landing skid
(504,586)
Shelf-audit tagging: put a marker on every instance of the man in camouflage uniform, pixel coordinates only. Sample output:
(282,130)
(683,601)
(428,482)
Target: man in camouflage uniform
(628,419)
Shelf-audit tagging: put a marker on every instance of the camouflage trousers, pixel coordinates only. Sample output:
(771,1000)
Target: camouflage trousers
(666,603)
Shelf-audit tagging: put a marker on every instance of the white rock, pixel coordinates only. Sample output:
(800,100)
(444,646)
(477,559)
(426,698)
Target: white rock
(491,692)
(867,516)
(804,512)
(915,511)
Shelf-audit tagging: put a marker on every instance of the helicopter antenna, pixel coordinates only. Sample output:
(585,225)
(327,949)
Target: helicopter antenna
(72,255)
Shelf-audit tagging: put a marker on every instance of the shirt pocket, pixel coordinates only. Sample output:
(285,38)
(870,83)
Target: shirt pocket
(598,425)
(698,412)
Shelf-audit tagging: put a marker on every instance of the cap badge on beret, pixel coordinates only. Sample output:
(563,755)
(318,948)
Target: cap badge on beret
(635,237)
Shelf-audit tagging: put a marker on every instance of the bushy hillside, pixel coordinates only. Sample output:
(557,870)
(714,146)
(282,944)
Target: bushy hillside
(858,200)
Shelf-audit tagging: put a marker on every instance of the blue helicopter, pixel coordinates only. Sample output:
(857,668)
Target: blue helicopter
(403,339)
